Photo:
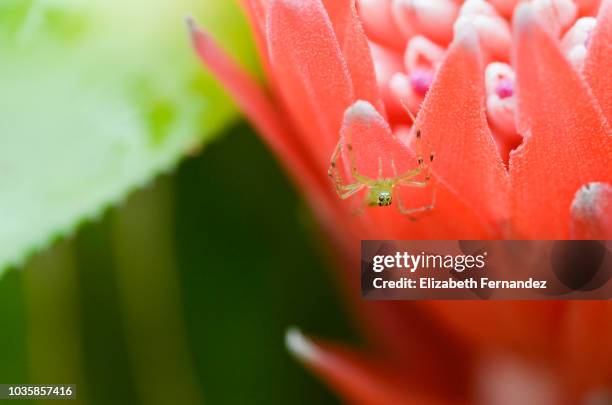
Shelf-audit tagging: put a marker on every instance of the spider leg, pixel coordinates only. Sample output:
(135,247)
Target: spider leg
(343,190)
(380,168)
(349,190)
(430,158)
(400,203)
(333,171)
(419,149)
(406,176)
(359,177)
(422,166)
(409,211)
(420,184)
(413,119)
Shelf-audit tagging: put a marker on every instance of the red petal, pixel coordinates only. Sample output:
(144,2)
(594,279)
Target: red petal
(310,70)
(454,126)
(251,98)
(505,7)
(586,344)
(367,138)
(592,212)
(259,109)
(354,45)
(256,13)
(406,333)
(419,344)
(358,379)
(460,209)
(567,143)
(372,146)
(451,217)
(525,327)
(599,58)
(587,7)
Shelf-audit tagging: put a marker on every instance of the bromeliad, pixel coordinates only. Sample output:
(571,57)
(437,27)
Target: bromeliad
(514,98)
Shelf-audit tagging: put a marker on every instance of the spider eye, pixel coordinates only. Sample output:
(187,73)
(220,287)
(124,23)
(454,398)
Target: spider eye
(384,199)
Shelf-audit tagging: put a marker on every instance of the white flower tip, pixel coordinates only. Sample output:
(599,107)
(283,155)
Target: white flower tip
(590,211)
(399,84)
(496,71)
(361,109)
(587,197)
(576,41)
(586,23)
(525,16)
(466,35)
(299,345)
(461,22)
(577,56)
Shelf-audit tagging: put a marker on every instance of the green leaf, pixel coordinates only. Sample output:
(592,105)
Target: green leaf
(96,98)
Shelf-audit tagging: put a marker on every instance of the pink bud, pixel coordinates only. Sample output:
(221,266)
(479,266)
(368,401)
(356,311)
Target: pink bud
(505,88)
(501,103)
(420,80)
(495,73)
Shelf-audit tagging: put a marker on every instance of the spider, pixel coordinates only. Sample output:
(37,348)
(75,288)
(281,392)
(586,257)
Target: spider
(382,191)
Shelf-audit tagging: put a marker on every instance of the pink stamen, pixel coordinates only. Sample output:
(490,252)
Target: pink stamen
(420,80)
(501,106)
(504,88)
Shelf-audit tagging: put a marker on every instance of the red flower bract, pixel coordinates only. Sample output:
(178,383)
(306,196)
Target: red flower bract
(522,150)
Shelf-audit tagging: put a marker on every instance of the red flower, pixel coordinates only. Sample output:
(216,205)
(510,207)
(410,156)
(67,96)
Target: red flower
(540,87)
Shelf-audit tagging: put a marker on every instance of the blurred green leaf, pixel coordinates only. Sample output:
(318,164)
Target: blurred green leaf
(246,271)
(96,98)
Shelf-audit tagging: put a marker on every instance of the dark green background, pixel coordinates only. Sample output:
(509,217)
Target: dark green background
(226,232)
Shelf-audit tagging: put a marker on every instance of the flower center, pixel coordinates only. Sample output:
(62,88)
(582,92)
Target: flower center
(504,88)
(420,80)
